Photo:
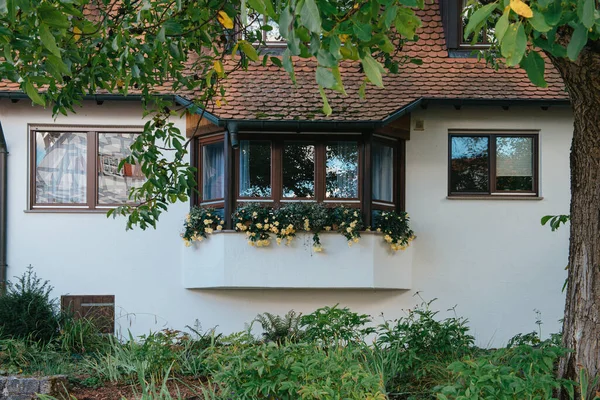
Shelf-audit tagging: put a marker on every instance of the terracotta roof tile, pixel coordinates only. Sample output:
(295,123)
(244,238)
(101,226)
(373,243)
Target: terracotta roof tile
(268,93)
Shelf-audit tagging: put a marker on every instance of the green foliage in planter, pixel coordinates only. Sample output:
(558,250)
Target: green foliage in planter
(27,311)
(199,223)
(259,222)
(292,371)
(521,372)
(394,225)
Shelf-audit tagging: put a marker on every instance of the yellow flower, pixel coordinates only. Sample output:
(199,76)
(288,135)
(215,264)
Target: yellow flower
(248,233)
(253,234)
(356,240)
(219,227)
(306,225)
(209,230)
(378,229)
(348,229)
(387,238)
(206,222)
(353,224)
(327,228)
(244,228)
(317,249)
(254,214)
(187,243)
(355,214)
(343,223)
(259,243)
(349,244)
(250,242)
(266,219)
(199,238)
(278,241)
(276,223)
(289,240)
(222,222)
(290,227)
(266,226)
(239,225)
(259,225)
(188,218)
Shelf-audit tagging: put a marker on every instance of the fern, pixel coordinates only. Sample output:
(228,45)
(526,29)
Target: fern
(280,329)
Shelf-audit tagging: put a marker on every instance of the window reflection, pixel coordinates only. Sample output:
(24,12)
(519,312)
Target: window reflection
(298,170)
(469,164)
(255,168)
(341,166)
(514,163)
(114,184)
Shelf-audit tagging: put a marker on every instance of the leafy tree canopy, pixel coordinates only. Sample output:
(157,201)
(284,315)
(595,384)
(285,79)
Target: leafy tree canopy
(61,50)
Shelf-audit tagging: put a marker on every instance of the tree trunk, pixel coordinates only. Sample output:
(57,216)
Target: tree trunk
(581,326)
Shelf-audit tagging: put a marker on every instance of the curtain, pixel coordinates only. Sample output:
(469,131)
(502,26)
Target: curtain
(245,184)
(61,167)
(383,172)
(342,170)
(213,171)
(514,156)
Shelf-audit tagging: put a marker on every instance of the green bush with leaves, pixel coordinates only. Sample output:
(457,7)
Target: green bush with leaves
(414,350)
(280,329)
(27,311)
(335,325)
(292,371)
(521,372)
(394,225)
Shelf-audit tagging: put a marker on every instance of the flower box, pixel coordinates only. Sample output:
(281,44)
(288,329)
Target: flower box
(225,260)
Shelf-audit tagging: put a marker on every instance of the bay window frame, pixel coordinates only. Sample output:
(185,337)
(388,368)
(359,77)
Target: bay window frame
(92,133)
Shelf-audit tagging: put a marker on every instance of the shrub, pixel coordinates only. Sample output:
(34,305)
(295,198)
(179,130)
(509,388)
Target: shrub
(294,370)
(27,311)
(413,351)
(80,336)
(329,325)
(521,372)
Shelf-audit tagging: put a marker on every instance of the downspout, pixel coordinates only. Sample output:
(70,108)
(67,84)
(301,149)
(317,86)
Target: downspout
(3,209)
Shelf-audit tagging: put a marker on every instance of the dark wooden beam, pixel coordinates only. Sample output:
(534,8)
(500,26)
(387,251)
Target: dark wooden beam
(205,127)
(399,129)
(367,181)
(229,190)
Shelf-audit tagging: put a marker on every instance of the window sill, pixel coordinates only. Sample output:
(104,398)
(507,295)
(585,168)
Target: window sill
(66,211)
(494,197)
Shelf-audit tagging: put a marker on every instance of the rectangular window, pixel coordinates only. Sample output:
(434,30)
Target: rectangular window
(298,170)
(255,168)
(213,171)
(383,172)
(79,168)
(341,170)
(498,163)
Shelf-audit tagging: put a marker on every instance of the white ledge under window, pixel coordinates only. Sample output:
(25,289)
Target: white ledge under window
(226,261)
(494,197)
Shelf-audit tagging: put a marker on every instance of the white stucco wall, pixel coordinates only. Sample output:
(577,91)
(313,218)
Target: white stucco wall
(490,258)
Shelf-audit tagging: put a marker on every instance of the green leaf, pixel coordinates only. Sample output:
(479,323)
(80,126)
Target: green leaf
(310,16)
(539,22)
(276,61)
(407,23)
(373,70)
(258,5)
(553,14)
(34,95)
(478,17)
(502,25)
(53,17)
(389,15)
(325,78)
(288,65)
(286,23)
(58,64)
(578,41)
(585,12)
(48,40)
(172,28)
(535,66)
(514,44)
(248,50)
(326,107)
(409,3)
(362,31)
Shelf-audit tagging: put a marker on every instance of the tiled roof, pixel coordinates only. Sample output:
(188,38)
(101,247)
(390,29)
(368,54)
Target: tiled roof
(267,93)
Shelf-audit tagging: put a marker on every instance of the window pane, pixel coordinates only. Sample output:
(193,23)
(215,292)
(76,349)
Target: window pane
(469,164)
(255,168)
(114,184)
(60,167)
(213,167)
(342,170)
(383,172)
(298,170)
(514,163)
